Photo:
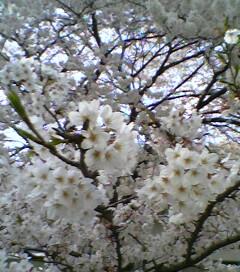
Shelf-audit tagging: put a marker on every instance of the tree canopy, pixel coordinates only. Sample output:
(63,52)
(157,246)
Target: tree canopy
(120,135)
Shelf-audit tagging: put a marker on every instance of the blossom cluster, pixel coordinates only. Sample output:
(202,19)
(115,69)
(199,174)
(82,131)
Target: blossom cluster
(19,72)
(179,124)
(63,192)
(186,184)
(109,143)
(194,18)
(103,145)
(14,13)
(40,84)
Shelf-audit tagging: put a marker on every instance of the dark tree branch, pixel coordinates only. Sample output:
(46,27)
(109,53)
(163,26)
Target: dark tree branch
(202,102)
(163,68)
(95,30)
(202,219)
(154,105)
(227,120)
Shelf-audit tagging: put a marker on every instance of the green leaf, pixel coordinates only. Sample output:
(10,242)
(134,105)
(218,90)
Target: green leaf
(222,58)
(17,104)
(56,141)
(25,134)
(226,23)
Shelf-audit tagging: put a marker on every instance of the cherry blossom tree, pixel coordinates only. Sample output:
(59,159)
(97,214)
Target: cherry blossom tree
(120,135)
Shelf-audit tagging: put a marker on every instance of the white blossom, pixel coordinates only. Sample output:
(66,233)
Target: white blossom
(232,36)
